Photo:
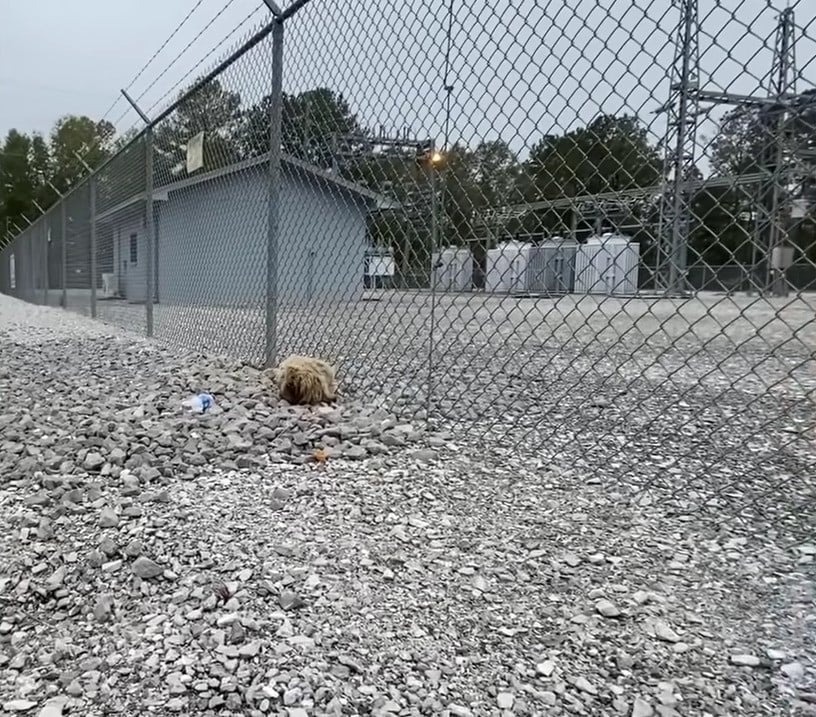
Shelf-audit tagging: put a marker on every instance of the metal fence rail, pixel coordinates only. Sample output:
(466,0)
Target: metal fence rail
(582,230)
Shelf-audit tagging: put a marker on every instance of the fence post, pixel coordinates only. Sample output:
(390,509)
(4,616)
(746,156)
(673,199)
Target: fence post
(149,229)
(32,284)
(148,215)
(64,254)
(46,283)
(432,263)
(273,219)
(93,245)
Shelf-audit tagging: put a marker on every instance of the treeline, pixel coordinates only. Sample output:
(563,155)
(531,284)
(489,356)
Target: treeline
(468,185)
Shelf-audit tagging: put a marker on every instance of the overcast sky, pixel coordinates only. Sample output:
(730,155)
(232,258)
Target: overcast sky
(519,68)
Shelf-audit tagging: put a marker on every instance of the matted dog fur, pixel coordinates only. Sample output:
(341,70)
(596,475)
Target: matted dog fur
(306,380)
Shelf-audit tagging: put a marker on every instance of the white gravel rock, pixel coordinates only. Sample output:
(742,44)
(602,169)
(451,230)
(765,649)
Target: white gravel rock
(794,671)
(53,707)
(395,577)
(607,608)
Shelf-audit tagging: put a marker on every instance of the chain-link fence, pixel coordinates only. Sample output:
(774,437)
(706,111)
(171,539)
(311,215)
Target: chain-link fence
(572,229)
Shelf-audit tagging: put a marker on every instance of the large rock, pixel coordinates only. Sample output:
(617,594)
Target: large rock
(145,568)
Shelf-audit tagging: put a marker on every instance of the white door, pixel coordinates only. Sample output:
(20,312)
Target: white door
(558,274)
(132,260)
(517,272)
(122,269)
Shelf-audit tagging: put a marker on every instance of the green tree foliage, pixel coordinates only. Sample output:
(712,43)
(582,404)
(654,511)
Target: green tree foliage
(397,173)
(78,135)
(20,185)
(458,188)
(745,138)
(125,176)
(721,228)
(612,153)
(212,110)
(745,143)
(313,123)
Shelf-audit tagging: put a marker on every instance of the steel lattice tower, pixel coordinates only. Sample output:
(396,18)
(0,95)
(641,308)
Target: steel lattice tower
(680,141)
(776,154)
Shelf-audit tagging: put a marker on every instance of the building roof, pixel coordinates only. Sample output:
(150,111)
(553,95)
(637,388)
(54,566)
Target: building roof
(161,193)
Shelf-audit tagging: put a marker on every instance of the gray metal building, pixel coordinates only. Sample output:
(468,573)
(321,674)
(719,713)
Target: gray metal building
(211,237)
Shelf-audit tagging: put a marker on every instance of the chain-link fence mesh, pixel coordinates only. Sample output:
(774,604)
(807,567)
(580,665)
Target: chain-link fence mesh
(78,249)
(119,204)
(212,213)
(53,263)
(578,230)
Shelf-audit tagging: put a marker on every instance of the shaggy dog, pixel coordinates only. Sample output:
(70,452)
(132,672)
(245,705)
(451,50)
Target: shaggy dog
(306,380)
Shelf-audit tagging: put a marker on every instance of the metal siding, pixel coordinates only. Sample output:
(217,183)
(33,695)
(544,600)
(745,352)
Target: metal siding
(607,265)
(132,277)
(507,268)
(630,264)
(453,269)
(551,268)
(22,266)
(55,256)
(212,242)
(323,242)
(5,283)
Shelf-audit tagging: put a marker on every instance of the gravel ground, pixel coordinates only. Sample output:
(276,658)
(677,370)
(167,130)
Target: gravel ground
(158,563)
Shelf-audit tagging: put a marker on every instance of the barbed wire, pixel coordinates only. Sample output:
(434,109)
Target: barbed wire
(205,57)
(178,56)
(175,31)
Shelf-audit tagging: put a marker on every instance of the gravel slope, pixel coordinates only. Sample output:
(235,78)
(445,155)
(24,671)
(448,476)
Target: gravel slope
(156,563)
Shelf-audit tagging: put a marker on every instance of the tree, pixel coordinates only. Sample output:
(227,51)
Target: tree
(721,230)
(746,136)
(310,123)
(740,143)
(19,183)
(212,110)
(125,175)
(496,174)
(400,174)
(803,233)
(610,154)
(78,135)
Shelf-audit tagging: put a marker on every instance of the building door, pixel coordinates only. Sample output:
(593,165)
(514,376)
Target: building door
(517,268)
(558,284)
(122,269)
(131,262)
